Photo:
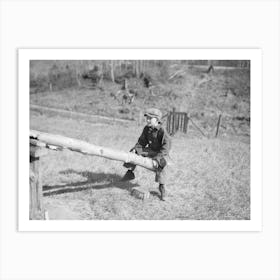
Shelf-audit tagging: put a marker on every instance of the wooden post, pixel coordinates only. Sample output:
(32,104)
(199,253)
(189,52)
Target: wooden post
(168,123)
(89,149)
(50,87)
(36,211)
(173,121)
(196,126)
(186,123)
(218,125)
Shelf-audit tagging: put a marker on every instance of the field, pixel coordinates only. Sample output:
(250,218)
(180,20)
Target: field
(208,179)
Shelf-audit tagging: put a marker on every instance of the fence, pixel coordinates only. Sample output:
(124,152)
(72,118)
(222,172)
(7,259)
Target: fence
(179,121)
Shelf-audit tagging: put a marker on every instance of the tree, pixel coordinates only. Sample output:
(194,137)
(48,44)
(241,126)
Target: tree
(112,71)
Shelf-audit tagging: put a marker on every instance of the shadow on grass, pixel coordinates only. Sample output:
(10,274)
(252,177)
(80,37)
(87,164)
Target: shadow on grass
(155,194)
(96,181)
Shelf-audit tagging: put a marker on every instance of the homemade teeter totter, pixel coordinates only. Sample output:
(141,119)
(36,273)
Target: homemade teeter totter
(40,141)
(52,141)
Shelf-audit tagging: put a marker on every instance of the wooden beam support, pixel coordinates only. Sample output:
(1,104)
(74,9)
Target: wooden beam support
(36,211)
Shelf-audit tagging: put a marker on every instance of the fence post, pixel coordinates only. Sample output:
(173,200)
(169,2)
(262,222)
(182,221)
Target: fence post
(186,122)
(218,125)
(168,123)
(176,121)
(167,120)
(182,121)
(173,121)
(36,211)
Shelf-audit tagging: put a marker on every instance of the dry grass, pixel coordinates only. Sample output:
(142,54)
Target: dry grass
(203,96)
(209,178)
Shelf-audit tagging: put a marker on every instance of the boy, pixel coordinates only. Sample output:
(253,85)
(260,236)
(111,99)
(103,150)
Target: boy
(154,143)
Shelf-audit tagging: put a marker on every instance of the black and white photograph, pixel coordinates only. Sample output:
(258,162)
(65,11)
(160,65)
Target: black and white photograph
(140,139)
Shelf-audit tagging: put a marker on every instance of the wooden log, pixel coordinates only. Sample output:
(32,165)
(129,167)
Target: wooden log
(177,121)
(173,121)
(168,124)
(91,149)
(181,121)
(35,143)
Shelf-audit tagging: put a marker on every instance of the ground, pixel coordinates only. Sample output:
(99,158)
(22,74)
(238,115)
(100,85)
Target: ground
(208,178)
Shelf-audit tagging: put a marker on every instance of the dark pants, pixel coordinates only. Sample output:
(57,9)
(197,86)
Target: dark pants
(160,176)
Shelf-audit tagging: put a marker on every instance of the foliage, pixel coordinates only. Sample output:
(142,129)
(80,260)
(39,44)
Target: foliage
(64,74)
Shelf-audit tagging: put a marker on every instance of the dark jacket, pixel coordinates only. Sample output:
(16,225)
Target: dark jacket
(156,140)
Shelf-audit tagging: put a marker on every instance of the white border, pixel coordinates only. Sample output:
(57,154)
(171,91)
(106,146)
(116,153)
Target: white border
(254,224)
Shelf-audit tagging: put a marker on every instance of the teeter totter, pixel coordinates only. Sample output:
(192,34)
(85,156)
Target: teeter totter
(40,142)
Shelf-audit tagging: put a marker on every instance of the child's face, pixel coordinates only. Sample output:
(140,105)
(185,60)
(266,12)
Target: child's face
(151,121)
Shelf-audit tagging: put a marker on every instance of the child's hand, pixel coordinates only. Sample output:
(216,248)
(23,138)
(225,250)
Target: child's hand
(155,164)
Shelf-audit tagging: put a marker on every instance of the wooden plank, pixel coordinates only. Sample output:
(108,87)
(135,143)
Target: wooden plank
(197,127)
(186,123)
(177,121)
(183,122)
(167,124)
(173,121)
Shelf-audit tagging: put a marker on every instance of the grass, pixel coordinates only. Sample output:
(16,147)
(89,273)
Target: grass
(209,178)
(203,96)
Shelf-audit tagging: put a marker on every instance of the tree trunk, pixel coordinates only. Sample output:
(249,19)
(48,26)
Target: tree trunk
(112,71)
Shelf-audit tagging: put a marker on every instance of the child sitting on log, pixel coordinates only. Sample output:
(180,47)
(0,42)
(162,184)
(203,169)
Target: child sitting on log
(154,143)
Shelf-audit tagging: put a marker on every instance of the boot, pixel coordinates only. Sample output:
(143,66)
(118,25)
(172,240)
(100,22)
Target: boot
(129,175)
(162,192)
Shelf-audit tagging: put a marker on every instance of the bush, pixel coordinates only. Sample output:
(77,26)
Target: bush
(38,83)
(62,78)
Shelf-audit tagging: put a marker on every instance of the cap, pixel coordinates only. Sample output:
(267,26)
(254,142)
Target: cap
(153,113)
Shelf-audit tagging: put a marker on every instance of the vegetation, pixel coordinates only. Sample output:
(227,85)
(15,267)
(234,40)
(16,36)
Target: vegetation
(177,84)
